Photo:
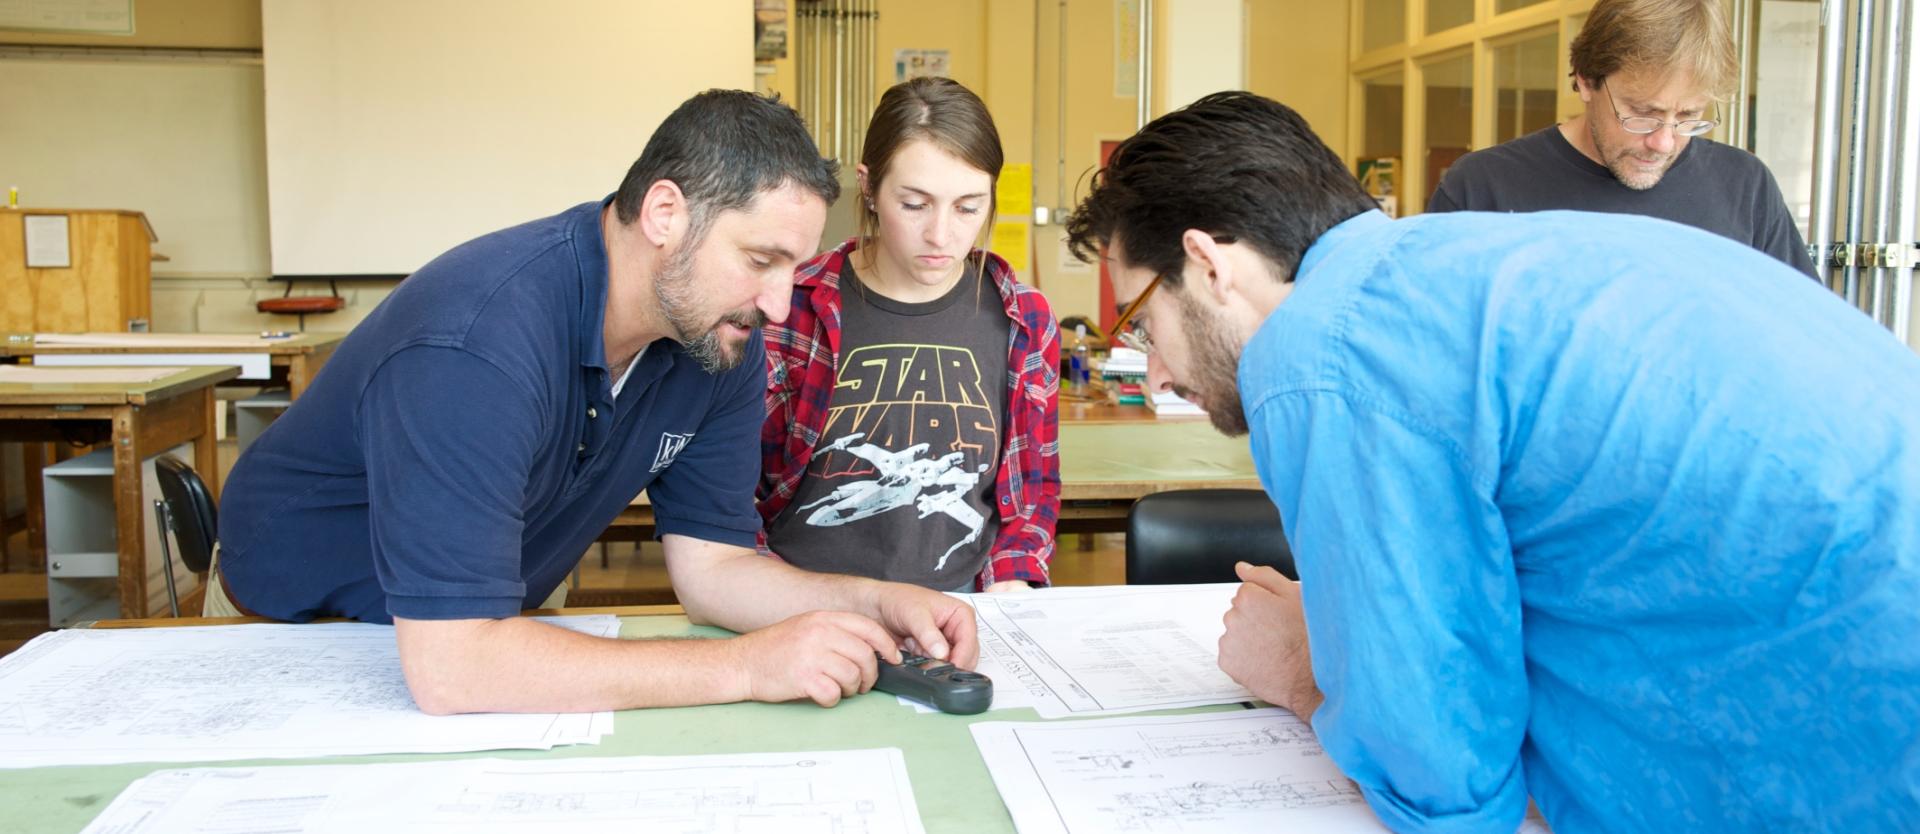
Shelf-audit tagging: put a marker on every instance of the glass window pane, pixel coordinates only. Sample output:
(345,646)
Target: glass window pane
(1446,14)
(1378,166)
(1504,6)
(1449,126)
(1526,84)
(1383,23)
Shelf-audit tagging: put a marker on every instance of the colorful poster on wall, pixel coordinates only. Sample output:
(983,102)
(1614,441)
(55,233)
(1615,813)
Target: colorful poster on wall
(920,63)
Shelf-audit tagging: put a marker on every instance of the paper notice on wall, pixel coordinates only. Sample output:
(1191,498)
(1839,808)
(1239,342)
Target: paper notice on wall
(909,64)
(1013,192)
(99,17)
(1010,241)
(48,245)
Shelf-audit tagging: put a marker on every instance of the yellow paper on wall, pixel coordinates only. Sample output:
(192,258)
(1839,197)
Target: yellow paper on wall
(1010,242)
(1014,193)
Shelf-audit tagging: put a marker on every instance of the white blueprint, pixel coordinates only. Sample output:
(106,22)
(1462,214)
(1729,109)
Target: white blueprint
(1106,650)
(105,696)
(1215,773)
(842,792)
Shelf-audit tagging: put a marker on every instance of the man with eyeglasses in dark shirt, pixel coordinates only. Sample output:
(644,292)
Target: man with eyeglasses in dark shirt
(1648,72)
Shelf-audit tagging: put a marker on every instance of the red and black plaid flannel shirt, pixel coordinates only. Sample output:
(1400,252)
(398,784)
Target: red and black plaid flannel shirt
(804,351)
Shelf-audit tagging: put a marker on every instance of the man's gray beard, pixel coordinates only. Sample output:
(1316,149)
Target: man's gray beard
(1614,165)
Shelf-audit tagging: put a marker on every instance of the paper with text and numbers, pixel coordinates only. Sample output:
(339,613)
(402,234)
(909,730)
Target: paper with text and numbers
(839,792)
(1236,772)
(212,693)
(1106,650)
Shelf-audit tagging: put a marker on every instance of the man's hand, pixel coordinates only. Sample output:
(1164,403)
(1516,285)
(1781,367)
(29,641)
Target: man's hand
(1009,585)
(938,625)
(1265,647)
(822,655)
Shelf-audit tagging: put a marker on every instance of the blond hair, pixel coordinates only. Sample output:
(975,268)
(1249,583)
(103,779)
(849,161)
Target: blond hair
(1662,36)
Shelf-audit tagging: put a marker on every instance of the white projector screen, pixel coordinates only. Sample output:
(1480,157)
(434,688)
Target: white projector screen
(398,130)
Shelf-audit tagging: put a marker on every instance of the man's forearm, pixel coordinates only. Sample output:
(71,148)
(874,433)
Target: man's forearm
(741,590)
(523,665)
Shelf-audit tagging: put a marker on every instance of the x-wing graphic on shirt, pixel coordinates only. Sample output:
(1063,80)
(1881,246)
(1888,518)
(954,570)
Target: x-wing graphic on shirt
(932,485)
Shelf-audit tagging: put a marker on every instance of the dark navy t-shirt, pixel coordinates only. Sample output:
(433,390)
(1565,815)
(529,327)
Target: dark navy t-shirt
(463,448)
(1711,186)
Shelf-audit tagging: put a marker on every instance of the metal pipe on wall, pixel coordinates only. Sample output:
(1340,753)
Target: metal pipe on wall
(1740,110)
(1906,211)
(1886,149)
(839,77)
(1144,65)
(865,78)
(1857,148)
(1826,147)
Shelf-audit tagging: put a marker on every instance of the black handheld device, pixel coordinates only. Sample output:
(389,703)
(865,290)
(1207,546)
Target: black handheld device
(936,683)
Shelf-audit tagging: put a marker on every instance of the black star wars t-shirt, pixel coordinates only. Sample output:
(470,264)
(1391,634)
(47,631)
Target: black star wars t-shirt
(901,483)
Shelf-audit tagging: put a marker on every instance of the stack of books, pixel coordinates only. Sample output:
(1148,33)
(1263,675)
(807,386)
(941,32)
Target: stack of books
(1124,375)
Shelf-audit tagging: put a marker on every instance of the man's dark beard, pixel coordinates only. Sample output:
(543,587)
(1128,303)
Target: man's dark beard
(1216,359)
(674,289)
(710,350)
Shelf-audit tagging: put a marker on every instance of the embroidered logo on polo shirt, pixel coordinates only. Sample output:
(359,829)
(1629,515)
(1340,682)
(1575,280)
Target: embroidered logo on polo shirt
(670,446)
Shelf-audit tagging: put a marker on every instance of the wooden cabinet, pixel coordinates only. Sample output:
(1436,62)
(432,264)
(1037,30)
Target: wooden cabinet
(107,286)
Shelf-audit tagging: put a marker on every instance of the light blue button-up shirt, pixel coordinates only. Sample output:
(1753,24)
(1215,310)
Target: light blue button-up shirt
(1600,509)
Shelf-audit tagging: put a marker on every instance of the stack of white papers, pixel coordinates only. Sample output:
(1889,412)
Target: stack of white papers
(1169,404)
(88,697)
(1122,360)
(1105,650)
(845,791)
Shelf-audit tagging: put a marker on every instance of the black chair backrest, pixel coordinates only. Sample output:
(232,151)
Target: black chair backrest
(194,516)
(1195,535)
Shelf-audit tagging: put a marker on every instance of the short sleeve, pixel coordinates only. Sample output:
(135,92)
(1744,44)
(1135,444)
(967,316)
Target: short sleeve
(449,439)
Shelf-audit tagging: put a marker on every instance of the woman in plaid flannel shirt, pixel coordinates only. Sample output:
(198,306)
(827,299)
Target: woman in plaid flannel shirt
(912,392)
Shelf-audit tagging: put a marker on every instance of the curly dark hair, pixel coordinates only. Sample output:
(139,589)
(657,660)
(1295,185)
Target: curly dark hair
(1235,165)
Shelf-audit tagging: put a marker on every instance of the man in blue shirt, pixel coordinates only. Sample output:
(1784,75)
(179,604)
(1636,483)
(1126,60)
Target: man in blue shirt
(1597,509)
(470,439)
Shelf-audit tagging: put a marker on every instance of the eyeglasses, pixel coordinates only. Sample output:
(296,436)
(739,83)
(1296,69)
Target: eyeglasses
(1129,331)
(1644,125)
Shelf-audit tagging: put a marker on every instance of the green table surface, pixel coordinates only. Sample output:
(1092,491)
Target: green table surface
(950,782)
(1128,460)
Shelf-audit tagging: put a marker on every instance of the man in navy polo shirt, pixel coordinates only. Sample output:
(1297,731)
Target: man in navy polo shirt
(473,436)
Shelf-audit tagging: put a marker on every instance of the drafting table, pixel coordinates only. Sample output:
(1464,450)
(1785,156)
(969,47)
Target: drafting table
(138,413)
(950,782)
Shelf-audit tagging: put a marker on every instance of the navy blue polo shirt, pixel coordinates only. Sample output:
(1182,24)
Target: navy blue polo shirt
(462,448)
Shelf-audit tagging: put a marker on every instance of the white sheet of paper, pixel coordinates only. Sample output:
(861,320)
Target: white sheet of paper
(841,791)
(47,242)
(1106,650)
(216,693)
(251,365)
(1249,771)
(1218,773)
(237,342)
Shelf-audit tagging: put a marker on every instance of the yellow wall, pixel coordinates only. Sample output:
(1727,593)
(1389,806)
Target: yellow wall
(1295,55)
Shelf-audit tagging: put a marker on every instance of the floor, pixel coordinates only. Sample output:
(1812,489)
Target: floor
(631,575)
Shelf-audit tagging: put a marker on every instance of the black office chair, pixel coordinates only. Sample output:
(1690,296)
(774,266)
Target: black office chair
(186,509)
(1195,535)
